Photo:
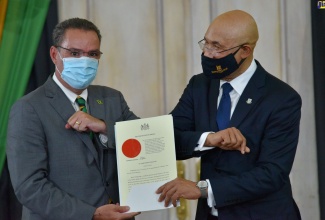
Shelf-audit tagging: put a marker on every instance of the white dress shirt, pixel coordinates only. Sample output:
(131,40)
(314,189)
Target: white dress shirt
(71,95)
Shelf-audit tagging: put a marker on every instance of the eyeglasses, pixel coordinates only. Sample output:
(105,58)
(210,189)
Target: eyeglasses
(79,53)
(214,48)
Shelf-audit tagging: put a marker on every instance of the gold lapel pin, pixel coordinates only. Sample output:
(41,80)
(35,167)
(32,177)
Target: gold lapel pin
(99,101)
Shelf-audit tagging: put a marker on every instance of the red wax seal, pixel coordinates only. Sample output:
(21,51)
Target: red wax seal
(131,148)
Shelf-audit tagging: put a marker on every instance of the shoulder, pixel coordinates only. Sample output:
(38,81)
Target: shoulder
(48,90)
(280,88)
(200,78)
(273,86)
(199,81)
(104,91)
(272,82)
(34,96)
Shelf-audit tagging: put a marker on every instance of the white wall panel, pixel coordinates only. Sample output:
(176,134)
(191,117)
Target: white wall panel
(267,17)
(132,59)
(73,8)
(300,76)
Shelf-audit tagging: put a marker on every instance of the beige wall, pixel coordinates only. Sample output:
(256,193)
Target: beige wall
(150,52)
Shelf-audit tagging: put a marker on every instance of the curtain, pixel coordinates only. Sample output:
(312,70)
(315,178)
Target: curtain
(20,30)
(20,36)
(43,66)
(318,40)
(3,9)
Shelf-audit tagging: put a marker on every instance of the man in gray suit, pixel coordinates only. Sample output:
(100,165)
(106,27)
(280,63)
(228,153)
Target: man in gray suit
(60,142)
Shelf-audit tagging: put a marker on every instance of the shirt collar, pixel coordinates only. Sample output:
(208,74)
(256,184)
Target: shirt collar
(240,82)
(71,95)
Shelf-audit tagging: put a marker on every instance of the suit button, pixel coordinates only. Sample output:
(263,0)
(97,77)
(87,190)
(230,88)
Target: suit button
(107,184)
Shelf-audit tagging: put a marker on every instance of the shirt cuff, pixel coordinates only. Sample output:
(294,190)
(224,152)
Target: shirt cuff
(210,199)
(201,142)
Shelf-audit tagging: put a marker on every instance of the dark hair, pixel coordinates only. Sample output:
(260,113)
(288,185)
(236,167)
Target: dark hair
(73,23)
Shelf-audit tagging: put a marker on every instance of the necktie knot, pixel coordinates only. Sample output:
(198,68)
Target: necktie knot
(82,107)
(223,112)
(226,88)
(82,103)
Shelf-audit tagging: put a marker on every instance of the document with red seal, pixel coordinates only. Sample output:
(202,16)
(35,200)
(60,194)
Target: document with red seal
(146,160)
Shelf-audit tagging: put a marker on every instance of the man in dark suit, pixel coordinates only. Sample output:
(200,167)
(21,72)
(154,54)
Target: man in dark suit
(243,123)
(60,143)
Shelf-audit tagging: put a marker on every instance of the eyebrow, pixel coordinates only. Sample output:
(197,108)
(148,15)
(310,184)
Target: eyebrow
(96,50)
(217,43)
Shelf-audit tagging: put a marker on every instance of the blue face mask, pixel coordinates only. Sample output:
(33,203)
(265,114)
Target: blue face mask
(79,72)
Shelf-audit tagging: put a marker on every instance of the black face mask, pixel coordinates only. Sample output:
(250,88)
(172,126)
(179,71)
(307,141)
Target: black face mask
(220,68)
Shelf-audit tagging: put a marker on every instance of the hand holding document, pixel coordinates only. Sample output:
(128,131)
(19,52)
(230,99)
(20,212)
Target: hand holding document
(146,160)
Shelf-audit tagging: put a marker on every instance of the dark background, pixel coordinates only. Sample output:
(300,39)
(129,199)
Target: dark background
(318,43)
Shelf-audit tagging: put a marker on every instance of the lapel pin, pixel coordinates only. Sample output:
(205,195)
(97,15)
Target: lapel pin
(249,101)
(99,101)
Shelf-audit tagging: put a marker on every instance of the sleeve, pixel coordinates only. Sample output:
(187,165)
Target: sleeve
(200,144)
(118,110)
(27,155)
(186,138)
(127,114)
(269,172)
(210,199)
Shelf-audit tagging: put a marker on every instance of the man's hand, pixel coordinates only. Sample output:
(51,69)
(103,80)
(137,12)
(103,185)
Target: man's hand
(176,189)
(228,139)
(82,121)
(113,212)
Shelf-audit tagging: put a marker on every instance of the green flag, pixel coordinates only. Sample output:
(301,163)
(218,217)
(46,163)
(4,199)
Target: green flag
(23,26)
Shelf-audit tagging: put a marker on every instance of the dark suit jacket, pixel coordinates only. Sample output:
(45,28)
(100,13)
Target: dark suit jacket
(57,173)
(255,185)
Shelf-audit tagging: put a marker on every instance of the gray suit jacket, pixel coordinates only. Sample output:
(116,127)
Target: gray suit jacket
(58,173)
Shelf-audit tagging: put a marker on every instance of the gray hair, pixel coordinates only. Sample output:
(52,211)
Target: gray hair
(73,23)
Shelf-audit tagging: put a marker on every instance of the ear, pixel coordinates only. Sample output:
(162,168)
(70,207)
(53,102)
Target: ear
(53,54)
(247,51)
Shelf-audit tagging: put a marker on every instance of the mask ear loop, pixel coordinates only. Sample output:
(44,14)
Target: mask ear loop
(62,61)
(237,50)
(58,70)
(59,54)
(241,62)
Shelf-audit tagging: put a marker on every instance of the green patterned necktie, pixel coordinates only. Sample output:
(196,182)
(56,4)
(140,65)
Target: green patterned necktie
(82,104)
(82,107)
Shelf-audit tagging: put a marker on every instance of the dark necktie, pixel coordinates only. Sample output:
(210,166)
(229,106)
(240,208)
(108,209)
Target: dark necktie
(223,113)
(82,107)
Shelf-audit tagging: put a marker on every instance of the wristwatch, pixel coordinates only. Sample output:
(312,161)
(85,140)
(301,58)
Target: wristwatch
(203,186)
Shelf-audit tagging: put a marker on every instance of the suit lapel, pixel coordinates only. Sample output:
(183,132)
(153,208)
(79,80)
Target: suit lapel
(213,103)
(59,101)
(251,96)
(63,107)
